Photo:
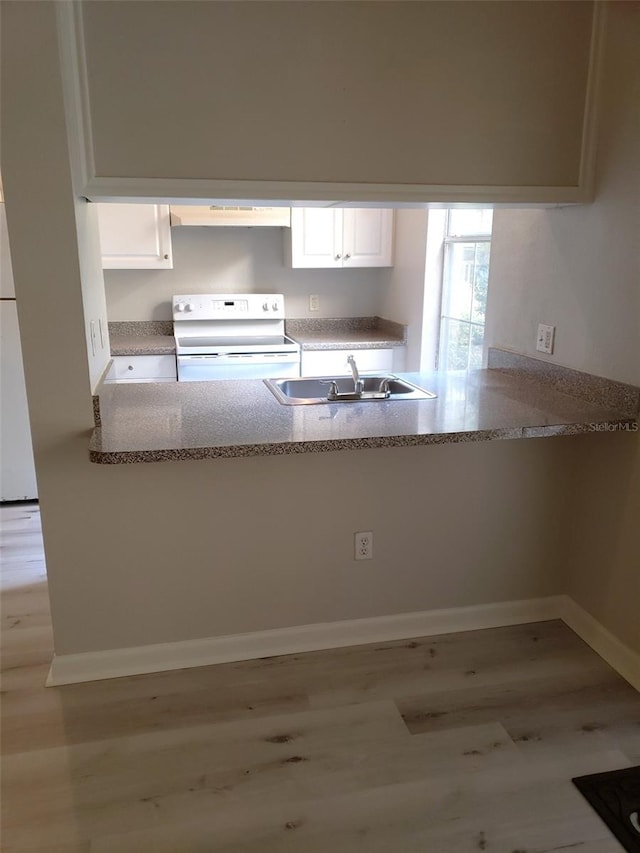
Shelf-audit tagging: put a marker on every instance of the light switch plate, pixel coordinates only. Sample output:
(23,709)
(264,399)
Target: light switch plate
(544,341)
(314,302)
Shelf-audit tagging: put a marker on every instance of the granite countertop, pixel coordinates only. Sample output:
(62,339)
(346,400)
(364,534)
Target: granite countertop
(153,337)
(352,332)
(199,420)
(143,345)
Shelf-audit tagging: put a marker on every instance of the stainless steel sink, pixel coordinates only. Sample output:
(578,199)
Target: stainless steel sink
(306,392)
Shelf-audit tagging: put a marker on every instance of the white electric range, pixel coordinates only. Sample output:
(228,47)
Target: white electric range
(232,336)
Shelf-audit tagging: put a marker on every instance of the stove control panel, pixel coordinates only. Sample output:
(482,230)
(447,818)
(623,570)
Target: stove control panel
(231,306)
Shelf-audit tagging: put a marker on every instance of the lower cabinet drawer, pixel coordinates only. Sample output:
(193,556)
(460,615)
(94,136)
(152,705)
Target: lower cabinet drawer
(334,362)
(143,368)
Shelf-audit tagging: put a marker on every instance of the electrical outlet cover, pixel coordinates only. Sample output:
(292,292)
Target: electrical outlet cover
(544,341)
(363,546)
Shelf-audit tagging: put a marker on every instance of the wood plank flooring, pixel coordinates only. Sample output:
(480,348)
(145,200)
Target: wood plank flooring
(463,742)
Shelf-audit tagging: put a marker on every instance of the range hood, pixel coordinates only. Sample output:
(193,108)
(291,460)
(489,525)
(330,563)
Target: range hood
(188,214)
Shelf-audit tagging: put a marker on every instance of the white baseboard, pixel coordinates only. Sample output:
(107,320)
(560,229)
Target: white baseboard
(94,666)
(115,663)
(625,661)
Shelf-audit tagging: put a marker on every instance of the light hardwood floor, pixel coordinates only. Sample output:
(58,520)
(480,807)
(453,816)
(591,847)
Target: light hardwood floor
(463,742)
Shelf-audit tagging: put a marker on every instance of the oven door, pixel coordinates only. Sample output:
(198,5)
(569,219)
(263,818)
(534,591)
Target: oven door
(264,365)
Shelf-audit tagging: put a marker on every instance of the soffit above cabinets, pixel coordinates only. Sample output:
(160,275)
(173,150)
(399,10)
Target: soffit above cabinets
(492,108)
(230,216)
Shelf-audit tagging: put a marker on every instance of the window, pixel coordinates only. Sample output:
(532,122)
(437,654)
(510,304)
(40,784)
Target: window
(465,279)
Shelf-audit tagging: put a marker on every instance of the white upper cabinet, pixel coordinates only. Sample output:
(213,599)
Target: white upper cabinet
(340,237)
(135,236)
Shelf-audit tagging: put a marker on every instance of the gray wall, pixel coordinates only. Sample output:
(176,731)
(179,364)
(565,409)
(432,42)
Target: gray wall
(404,295)
(177,551)
(603,544)
(208,259)
(579,269)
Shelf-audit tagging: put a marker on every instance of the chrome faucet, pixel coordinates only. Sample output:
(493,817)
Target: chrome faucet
(358,383)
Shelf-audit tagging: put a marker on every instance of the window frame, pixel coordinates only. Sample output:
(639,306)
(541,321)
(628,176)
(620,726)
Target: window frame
(449,240)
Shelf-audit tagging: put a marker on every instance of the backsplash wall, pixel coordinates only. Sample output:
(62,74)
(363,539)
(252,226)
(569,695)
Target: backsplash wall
(207,259)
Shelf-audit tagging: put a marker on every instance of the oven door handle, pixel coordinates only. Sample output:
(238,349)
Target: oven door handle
(261,356)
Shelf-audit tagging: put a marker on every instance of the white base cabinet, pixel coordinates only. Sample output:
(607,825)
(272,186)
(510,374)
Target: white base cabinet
(143,368)
(340,238)
(135,236)
(334,362)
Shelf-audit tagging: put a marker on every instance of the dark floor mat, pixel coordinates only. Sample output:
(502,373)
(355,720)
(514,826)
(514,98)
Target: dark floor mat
(616,798)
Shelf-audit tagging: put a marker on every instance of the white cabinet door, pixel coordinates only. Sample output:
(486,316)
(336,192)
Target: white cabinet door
(135,236)
(334,362)
(316,237)
(341,237)
(367,237)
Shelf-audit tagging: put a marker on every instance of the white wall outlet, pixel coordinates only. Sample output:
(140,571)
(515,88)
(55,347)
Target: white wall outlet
(364,546)
(314,302)
(544,341)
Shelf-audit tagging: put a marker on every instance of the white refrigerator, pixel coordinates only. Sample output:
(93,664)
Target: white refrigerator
(17,471)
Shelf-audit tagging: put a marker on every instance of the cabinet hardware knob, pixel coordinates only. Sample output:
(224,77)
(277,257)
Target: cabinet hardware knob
(347,256)
(130,367)
(166,257)
(338,256)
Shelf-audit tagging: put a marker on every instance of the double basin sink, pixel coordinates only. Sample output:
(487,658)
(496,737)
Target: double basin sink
(306,392)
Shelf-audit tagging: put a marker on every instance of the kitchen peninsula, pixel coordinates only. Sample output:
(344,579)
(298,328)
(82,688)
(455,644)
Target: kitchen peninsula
(517,397)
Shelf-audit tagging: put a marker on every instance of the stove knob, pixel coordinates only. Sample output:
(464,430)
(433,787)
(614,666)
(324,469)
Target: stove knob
(179,306)
(265,306)
(275,306)
(189,306)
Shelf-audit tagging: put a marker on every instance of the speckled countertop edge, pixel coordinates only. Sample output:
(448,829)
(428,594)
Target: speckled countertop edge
(336,445)
(350,341)
(132,328)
